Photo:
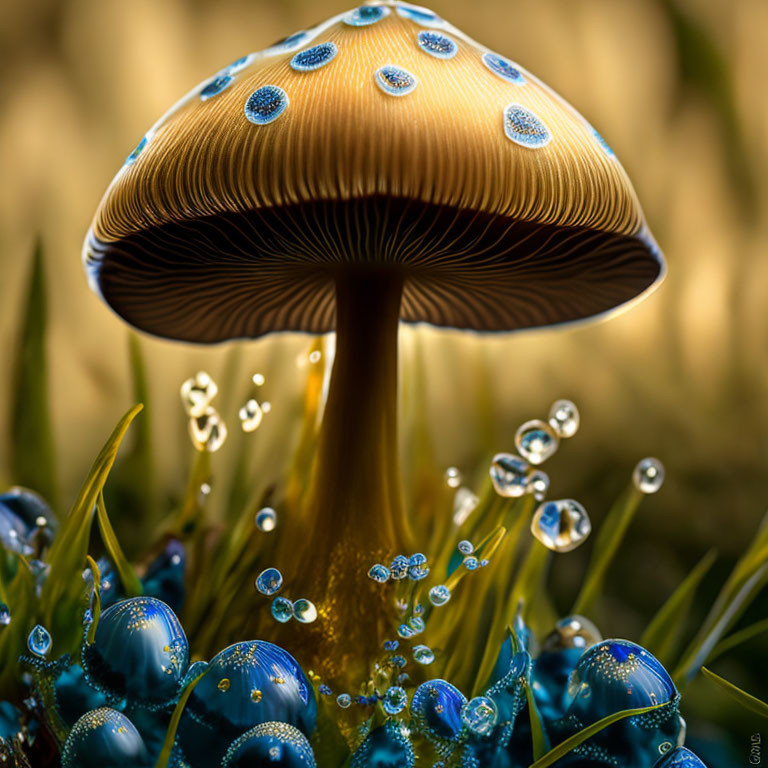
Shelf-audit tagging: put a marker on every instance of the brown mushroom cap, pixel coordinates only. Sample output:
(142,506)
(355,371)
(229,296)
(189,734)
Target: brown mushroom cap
(494,199)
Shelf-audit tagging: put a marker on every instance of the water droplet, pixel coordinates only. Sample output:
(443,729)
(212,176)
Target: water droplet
(395,700)
(564,418)
(379,573)
(417,567)
(398,568)
(503,68)
(325,690)
(405,631)
(395,81)
(480,715)
(572,632)
(536,441)
(561,525)
(208,431)
(258,379)
(362,17)
(464,502)
(398,662)
(251,415)
(453,477)
(266,104)
(437,45)
(648,475)
(39,641)
(224,684)
(417,624)
(5,615)
(538,484)
(439,595)
(315,57)
(525,128)
(509,474)
(466,547)
(256,695)
(269,581)
(282,609)
(391,645)
(304,611)
(471,563)
(423,654)
(344,700)
(197,393)
(266,519)
(315,356)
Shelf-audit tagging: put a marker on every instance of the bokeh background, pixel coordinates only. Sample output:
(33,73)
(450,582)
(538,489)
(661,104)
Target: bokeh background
(678,89)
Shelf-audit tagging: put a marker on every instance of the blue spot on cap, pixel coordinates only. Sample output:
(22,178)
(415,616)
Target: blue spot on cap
(315,57)
(216,86)
(137,151)
(504,68)
(266,104)
(417,14)
(525,128)
(437,45)
(395,81)
(367,14)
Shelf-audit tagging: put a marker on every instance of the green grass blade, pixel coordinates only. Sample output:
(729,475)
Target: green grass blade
(664,630)
(170,735)
(31,435)
(13,638)
(609,539)
(96,609)
(63,589)
(130,581)
(752,703)
(538,734)
(737,638)
(564,747)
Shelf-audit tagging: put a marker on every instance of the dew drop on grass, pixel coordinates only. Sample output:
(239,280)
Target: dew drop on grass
(509,474)
(5,615)
(464,502)
(266,519)
(304,611)
(453,477)
(258,379)
(395,700)
(480,715)
(398,568)
(417,567)
(39,641)
(422,654)
(282,609)
(344,700)
(379,573)
(439,595)
(251,415)
(561,525)
(208,431)
(648,475)
(269,581)
(197,394)
(564,418)
(536,441)
(538,484)
(466,547)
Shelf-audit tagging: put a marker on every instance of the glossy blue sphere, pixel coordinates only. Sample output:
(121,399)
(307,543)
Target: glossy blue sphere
(680,757)
(387,746)
(251,683)
(436,711)
(164,578)
(139,653)
(104,738)
(273,744)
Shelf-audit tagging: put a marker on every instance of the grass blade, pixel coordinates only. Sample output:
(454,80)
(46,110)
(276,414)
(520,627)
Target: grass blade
(752,703)
(130,581)
(737,638)
(538,735)
(664,630)
(31,435)
(609,539)
(63,589)
(564,747)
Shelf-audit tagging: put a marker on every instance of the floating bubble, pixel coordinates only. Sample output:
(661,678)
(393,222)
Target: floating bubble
(282,609)
(398,568)
(39,641)
(561,525)
(538,484)
(439,595)
(304,611)
(344,700)
(269,581)
(648,475)
(453,477)
(423,654)
(251,415)
(480,715)
(464,502)
(417,567)
(564,418)
(197,394)
(5,615)
(509,474)
(466,547)
(266,519)
(395,700)
(379,573)
(536,441)
(208,431)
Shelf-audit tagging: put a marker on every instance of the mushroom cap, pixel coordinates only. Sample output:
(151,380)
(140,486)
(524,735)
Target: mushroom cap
(382,139)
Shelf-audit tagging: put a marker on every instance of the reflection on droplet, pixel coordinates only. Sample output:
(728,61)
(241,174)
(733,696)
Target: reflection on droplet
(266,519)
(439,595)
(536,441)
(304,611)
(564,418)
(251,415)
(464,503)
(39,641)
(538,484)
(423,654)
(480,715)
(208,431)
(269,581)
(453,477)
(509,474)
(561,525)
(648,475)
(197,394)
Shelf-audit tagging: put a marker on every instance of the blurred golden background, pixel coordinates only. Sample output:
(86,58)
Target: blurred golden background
(678,89)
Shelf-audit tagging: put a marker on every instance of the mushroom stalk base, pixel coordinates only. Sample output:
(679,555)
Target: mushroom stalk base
(353,514)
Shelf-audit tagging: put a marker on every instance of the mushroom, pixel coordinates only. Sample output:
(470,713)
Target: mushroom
(377,169)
